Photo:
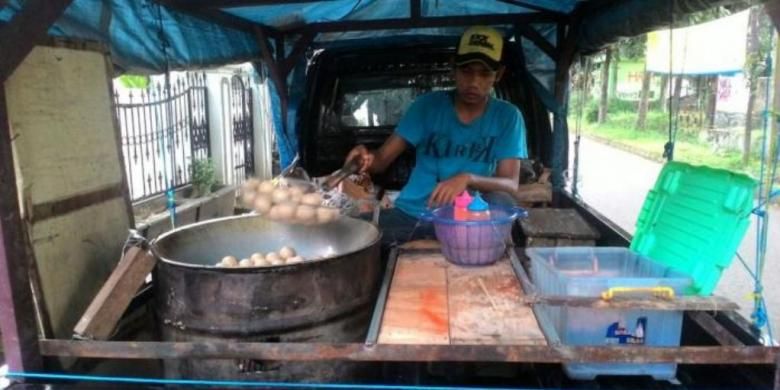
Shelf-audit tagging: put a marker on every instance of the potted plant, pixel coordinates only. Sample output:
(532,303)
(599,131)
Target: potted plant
(203,177)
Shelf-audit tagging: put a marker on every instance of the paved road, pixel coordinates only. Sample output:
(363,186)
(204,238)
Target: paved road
(616,182)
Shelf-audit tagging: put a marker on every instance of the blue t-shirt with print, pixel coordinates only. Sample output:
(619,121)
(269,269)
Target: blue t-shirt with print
(446,147)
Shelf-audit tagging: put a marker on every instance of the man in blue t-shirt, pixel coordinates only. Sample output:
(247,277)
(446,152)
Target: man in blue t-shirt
(464,139)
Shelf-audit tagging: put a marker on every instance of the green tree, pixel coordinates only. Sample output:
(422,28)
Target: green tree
(604,96)
(759,42)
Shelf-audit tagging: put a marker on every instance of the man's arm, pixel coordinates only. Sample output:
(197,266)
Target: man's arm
(377,161)
(506,179)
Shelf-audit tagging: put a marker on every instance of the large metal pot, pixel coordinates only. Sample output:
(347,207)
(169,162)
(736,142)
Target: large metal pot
(326,300)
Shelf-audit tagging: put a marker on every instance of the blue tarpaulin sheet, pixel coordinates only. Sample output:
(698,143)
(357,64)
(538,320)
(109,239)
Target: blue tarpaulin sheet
(145,37)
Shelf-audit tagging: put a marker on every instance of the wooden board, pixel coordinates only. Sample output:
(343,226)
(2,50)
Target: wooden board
(416,311)
(103,314)
(557,223)
(434,302)
(68,169)
(485,307)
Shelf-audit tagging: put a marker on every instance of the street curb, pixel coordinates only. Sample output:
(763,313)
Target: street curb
(626,148)
(641,153)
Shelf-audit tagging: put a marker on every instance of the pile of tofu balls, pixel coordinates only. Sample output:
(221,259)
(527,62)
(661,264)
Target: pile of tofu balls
(285,256)
(287,203)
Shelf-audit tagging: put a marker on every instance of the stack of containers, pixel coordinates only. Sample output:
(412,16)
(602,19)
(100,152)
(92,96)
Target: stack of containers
(592,272)
(687,233)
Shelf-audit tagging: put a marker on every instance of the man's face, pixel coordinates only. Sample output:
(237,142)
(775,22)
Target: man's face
(474,82)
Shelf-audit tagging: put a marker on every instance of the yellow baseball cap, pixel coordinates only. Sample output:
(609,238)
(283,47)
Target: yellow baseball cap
(480,43)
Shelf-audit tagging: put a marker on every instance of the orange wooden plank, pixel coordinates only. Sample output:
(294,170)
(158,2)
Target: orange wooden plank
(486,308)
(416,310)
(432,301)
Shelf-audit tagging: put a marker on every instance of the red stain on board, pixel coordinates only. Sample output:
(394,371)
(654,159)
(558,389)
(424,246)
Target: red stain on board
(430,299)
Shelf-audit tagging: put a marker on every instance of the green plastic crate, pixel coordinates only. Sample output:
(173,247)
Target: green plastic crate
(693,221)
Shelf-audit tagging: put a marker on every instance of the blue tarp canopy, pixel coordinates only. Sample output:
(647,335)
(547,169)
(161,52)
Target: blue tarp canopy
(147,36)
(138,30)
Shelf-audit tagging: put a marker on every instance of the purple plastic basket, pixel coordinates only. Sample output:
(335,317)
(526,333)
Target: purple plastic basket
(473,242)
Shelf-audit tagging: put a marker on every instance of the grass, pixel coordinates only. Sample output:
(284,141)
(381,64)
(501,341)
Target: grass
(619,129)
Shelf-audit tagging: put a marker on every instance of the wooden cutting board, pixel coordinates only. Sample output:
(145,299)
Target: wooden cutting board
(432,301)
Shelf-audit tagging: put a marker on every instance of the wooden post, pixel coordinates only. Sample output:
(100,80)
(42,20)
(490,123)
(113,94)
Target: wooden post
(17,307)
(644,100)
(773,10)
(27,28)
(17,314)
(415,10)
(604,97)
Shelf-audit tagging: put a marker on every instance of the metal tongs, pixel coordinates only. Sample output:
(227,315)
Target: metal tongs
(328,187)
(350,167)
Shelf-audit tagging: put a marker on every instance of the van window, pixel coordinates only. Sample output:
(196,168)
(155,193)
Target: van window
(376,102)
(376,108)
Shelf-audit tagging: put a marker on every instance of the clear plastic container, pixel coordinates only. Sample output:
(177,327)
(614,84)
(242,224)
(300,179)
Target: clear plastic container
(473,242)
(591,272)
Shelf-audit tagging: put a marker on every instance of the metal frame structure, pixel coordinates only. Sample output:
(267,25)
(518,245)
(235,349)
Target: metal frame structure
(731,351)
(24,348)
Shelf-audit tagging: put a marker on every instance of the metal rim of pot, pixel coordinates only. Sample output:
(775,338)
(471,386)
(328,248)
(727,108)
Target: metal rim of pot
(276,268)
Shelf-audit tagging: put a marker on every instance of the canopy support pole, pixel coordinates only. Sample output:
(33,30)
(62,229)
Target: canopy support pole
(280,66)
(534,36)
(275,72)
(567,35)
(216,16)
(415,10)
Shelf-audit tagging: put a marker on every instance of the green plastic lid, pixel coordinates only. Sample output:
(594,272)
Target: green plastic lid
(693,221)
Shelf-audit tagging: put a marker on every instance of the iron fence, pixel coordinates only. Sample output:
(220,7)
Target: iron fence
(163,131)
(241,123)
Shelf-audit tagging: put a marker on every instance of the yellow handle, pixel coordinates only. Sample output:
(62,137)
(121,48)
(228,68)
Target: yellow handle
(661,292)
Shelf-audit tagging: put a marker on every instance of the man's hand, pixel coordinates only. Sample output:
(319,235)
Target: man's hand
(365,157)
(446,191)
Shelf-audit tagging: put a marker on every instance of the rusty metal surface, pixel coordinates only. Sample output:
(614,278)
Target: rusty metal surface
(544,322)
(689,303)
(193,295)
(350,328)
(249,303)
(327,300)
(305,351)
(381,301)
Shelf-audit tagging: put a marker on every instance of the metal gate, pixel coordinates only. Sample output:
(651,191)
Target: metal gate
(163,132)
(242,127)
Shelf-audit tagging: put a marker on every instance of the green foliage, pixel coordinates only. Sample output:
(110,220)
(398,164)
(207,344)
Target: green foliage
(615,106)
(755,60)
(134,81)
(204,177)
(619,129)
(632,48)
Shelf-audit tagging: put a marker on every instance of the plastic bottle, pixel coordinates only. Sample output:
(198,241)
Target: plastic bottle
(478,209)
(460,211)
